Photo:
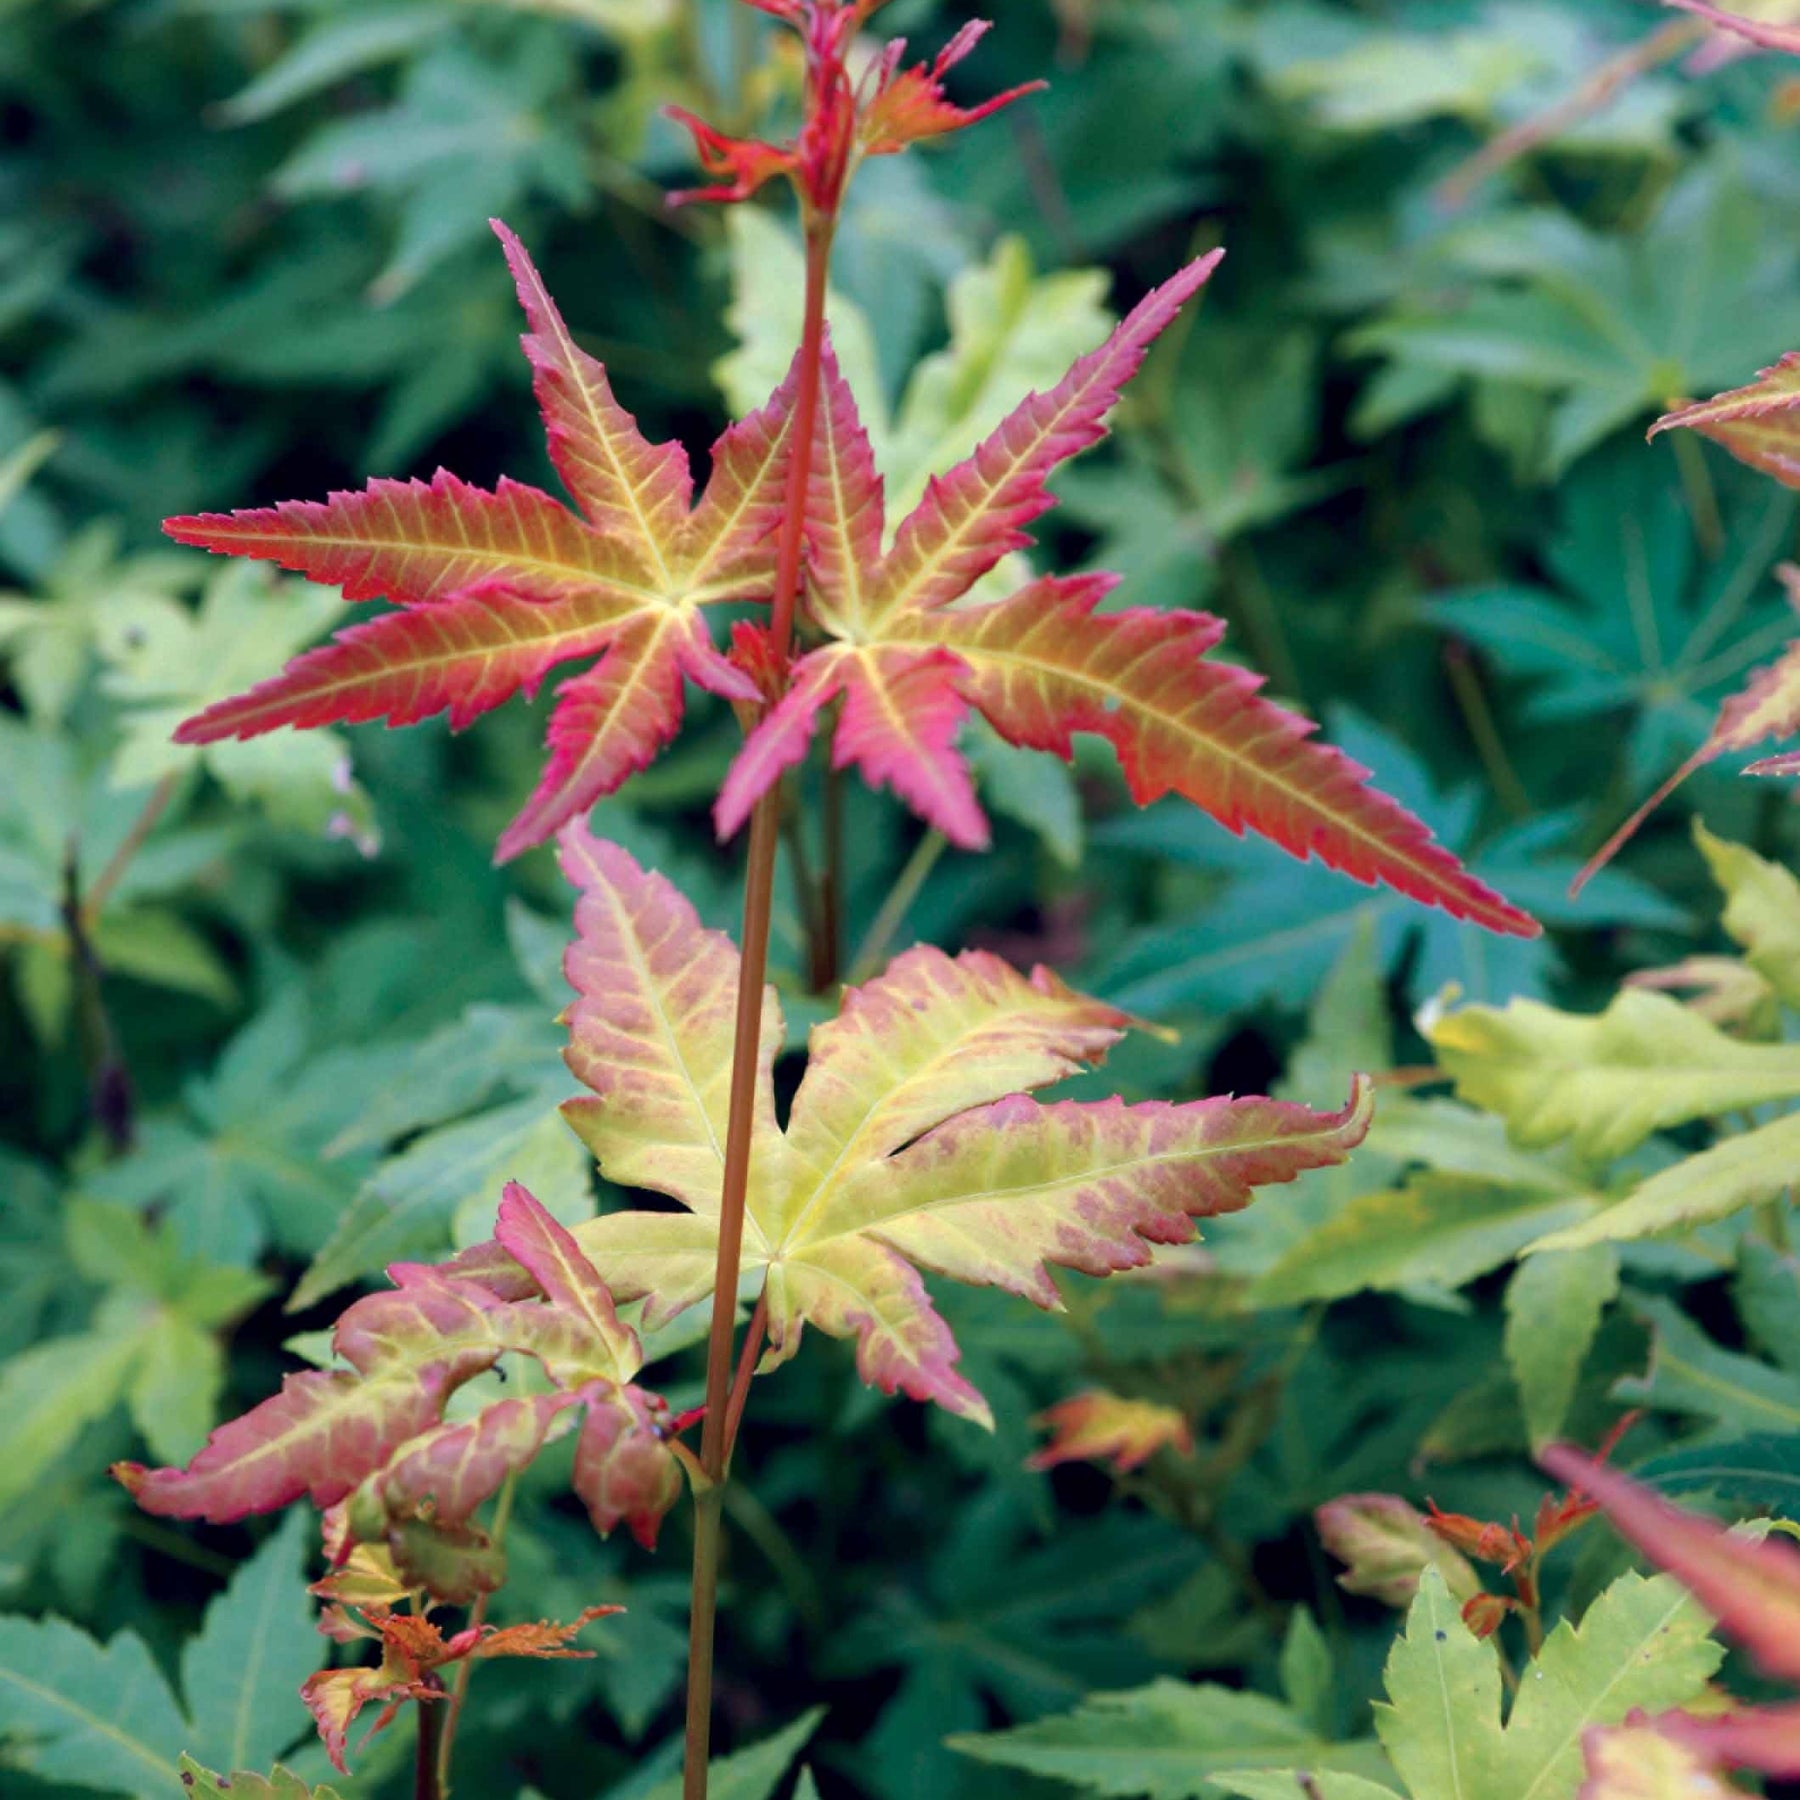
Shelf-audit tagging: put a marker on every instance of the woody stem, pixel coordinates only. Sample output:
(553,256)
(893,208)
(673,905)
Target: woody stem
(759,888)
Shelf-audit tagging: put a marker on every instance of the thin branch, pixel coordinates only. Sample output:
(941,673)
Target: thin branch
(759,890)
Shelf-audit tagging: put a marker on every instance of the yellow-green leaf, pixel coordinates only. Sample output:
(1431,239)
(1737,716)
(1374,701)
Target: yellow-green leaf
(1606,1082)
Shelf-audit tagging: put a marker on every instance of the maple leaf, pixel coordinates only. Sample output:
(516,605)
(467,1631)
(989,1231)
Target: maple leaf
(413,1650)
(909,662)
(494,589)
(371,1439)
(910,1144)
(1107,1428)
(1767,34)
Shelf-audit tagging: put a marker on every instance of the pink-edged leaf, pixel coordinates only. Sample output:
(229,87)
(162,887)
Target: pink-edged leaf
(1788,763)
(465,655)
(499,587)
(1752,1589)
(996,1195)
(931,1037)
(1045,665)
(779,739)
(726,548)
(908,1141)
(1385,1544)
(903,709)
(625,1472)
(319,1436)
(427,1319)
(855,1288)
(845,507)
(1102,1427)
(650,1031)
(534,1239)
(1766,34)
(324,1432)
(1758,424)
(617,717)
(1763,1738)
(629,488)
(417,542)
(977,513)
(454,1468)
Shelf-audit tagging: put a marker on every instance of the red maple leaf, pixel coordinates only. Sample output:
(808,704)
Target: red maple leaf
(496,588)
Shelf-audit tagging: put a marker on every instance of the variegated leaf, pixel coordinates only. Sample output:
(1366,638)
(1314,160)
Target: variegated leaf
(910,1143)
(495,589)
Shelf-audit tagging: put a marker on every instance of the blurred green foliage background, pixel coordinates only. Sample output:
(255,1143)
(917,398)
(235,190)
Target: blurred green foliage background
(269,1019)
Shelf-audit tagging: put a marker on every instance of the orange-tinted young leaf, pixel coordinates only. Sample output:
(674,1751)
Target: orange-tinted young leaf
(413,1650)
(908,663)
(1752,1589)
(909,1143)
(847,117)
(1107,1428)
(495,589)
(1766,34)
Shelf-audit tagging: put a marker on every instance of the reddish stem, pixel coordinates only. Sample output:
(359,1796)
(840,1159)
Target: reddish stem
(759,888)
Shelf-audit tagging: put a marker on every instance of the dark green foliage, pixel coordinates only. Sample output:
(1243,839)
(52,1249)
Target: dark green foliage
(304,1029)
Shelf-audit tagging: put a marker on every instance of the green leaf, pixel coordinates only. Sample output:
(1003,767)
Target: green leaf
(175,1388)
(1736,1172)
(1768,1298)
(751,1774)
(1762,910)
(1440,1724)
(451,1178)
(1644,1643)
(282,1784)
(330,51)
(1308,1679)
(50,1392)
(84,1713)
(1437,1231)
(768,288)
(1553,1308)
(1689,1373)
(1287,1784)
(1012,332)
(1607,1082)
(1761,1471)
(242,1672)
(1165,1741)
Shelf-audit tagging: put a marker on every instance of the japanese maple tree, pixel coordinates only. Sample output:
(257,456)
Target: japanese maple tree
(913,1143)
